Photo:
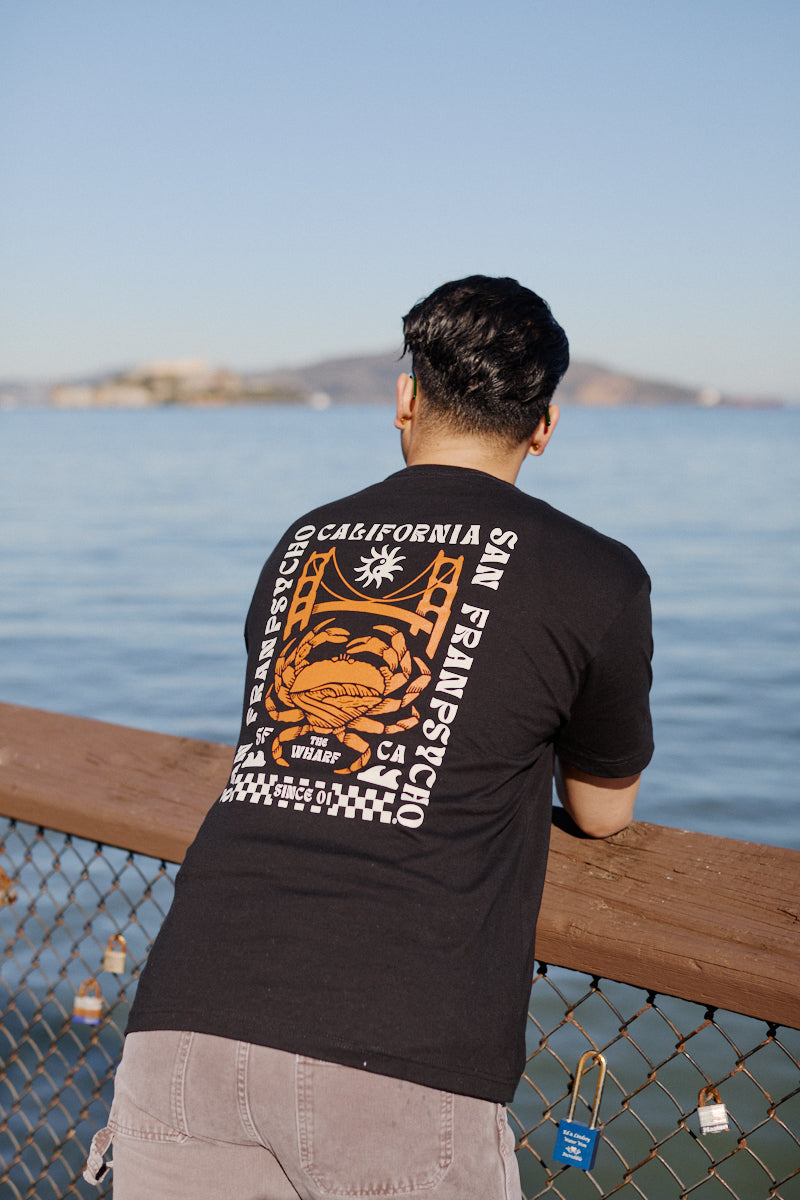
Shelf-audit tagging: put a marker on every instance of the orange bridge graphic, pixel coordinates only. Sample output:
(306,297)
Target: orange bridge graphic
(435,586)
(330,684)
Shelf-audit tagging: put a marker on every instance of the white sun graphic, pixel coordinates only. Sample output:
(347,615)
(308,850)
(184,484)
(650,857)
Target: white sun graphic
(380,565)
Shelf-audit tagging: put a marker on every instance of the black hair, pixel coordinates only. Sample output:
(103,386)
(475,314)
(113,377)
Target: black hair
(488,355)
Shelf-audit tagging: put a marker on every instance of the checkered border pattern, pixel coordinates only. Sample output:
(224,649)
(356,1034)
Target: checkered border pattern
(303,795)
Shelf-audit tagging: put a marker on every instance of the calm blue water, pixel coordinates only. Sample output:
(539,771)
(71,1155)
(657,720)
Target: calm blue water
(130,543)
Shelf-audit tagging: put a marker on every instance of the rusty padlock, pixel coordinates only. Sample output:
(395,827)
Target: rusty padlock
(114,956)
(713,1117)
(88,1007)
(8,893)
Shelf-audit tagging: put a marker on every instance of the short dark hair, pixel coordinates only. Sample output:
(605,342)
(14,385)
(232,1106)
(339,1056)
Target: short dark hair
(488,355)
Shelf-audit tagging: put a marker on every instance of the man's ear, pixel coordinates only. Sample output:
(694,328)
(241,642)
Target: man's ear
(544,431)
(405,401)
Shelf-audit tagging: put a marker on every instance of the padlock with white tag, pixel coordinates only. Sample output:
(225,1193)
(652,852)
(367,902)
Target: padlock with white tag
(576,1143)
(88,1006)
(8,892)
(713,1117)
(114,956)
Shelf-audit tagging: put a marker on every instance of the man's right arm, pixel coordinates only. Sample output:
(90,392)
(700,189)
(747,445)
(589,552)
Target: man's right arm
(598,806)
(609,726)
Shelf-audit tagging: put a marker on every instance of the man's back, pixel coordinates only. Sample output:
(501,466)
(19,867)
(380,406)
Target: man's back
(367,885)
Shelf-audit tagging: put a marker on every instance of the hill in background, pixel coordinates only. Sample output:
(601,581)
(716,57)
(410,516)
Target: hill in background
(371,379)
(361,379)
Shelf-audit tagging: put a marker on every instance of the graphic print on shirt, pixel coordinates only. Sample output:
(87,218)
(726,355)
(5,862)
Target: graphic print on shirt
(331,681)
(354,673)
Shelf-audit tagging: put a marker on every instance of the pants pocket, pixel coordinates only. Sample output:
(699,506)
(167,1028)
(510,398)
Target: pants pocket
(148,1087)
(368,1135)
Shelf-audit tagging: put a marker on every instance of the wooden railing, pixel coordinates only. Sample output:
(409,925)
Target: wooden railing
(672,914)
(705,918)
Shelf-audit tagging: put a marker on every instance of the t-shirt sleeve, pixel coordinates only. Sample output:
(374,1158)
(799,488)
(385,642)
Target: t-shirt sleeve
(609,732)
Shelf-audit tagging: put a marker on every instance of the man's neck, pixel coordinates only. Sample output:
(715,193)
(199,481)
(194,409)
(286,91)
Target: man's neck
(478,454)
(427,440)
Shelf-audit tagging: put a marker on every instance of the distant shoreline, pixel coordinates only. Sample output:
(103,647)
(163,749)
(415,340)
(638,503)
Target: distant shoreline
(368,379)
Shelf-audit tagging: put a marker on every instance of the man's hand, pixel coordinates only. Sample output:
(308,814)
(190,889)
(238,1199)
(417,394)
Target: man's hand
(598,806)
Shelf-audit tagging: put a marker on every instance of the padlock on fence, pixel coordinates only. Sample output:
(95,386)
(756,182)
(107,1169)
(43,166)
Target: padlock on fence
(88,1007)
(8,893)
(114,956)
(576,1144)
(713,1117)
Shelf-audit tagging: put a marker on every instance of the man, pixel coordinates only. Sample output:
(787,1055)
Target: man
(336,1003)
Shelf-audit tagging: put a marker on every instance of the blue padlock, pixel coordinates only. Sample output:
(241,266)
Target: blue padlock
(576,1144)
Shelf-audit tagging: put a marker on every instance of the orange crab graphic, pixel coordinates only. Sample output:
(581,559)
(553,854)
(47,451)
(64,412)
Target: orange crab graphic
(347,694)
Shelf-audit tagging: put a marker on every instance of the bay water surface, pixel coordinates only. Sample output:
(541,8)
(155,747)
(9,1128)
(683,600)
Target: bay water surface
(130,542)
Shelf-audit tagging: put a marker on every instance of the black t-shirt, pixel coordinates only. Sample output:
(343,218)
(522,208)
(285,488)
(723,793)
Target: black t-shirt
(366,888)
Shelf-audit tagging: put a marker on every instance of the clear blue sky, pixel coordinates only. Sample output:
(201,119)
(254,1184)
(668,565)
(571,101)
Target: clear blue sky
(263,183)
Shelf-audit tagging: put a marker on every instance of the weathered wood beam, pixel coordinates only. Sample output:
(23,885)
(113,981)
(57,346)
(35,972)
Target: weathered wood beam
(126,787)
(706,918)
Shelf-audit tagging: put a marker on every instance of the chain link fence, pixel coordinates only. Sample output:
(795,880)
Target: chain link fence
(64,899)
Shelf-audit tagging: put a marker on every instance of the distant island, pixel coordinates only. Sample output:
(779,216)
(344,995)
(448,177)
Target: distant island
(366,379)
